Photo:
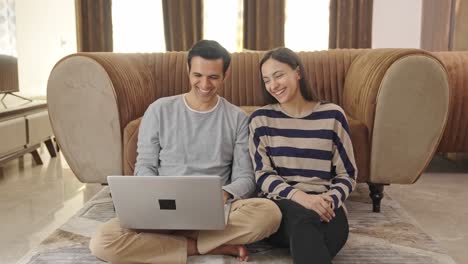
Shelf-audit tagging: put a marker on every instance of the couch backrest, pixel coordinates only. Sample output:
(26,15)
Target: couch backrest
(326,70)
(455,138)
(167,73)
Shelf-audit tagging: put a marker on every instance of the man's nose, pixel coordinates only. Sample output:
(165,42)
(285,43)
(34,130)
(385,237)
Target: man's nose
(205,82)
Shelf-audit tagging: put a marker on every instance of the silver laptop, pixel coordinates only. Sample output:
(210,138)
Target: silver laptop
(169,202)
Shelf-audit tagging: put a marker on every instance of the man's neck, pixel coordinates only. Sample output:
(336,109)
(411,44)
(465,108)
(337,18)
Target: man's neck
(199,106)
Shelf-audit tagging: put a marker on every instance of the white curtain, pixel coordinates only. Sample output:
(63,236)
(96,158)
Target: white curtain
(307,25)
(222,21)
(138,26)
(7,27)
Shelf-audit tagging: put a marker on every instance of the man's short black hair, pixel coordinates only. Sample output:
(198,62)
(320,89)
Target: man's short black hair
(210,50)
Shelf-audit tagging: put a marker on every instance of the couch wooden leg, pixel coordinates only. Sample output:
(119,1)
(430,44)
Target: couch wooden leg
(50,147)
(376,194)
(36,157)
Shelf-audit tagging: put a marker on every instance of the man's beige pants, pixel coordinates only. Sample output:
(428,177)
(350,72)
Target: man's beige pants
(250,220)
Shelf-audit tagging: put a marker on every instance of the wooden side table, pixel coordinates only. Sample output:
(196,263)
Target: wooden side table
(24,126)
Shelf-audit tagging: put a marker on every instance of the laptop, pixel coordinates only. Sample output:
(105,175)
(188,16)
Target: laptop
(169,202)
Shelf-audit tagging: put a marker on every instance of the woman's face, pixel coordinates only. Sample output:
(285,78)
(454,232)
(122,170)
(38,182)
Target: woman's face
(281,81)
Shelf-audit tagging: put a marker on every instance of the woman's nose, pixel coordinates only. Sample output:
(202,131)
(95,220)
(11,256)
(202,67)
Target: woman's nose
(273,84)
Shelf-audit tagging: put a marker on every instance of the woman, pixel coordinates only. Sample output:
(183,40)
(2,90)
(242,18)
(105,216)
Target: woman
(303,159)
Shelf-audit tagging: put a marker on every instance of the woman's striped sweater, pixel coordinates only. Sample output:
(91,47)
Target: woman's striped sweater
(313,153)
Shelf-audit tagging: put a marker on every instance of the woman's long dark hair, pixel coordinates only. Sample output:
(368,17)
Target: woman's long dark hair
(290,58)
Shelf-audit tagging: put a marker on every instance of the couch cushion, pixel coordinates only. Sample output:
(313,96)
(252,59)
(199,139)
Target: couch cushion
(359,137)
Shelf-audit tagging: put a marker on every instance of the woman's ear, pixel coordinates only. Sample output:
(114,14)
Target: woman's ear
(298,72)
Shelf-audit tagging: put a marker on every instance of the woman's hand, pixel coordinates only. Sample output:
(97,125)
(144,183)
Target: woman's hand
(321,204)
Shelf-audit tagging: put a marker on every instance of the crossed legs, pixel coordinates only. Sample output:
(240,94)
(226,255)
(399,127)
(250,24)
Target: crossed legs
(250,220)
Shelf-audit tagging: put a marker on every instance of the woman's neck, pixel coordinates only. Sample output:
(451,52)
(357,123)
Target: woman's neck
(298,107)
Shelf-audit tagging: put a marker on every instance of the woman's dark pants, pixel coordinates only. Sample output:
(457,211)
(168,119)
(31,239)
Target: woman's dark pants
(309,239)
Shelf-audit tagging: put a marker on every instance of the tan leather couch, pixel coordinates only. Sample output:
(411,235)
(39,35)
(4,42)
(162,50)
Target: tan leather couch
(396,101)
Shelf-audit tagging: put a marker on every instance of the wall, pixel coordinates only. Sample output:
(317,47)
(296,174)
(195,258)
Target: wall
(45,32)
(396,24)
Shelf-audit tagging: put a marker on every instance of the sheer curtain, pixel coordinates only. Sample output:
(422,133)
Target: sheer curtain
(138,26)
(307,25)
(7,28)
(222,21)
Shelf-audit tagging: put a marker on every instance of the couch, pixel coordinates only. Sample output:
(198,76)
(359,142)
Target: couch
(396,100)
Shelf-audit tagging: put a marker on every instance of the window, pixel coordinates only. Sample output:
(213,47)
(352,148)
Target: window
(307,25)
(222,21)
(138,26)
(7,27)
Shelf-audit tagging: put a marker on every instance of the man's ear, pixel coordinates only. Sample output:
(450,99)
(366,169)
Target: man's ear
(227,73)
(188,69)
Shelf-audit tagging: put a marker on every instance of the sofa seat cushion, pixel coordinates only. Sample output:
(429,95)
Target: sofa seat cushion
(359,136)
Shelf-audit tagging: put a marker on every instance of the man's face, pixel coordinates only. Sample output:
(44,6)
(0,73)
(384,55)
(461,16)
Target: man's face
(206,78)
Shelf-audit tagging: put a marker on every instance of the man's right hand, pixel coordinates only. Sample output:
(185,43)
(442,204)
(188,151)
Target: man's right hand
(226,196)
(318,203)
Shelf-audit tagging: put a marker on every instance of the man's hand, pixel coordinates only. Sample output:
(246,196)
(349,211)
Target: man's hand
(321,204)
(226,196)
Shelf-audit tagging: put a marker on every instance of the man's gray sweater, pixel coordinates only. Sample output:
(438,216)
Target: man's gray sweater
(176,140)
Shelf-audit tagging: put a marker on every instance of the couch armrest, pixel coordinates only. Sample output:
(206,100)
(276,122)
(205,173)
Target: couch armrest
(402,96)
(91,98)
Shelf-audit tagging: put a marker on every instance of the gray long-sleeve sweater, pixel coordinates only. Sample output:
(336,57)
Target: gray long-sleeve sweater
(176,140)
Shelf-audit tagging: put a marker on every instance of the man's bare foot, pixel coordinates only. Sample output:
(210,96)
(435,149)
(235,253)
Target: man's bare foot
(239,251)
(192,247)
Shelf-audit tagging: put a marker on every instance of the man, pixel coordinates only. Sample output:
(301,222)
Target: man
(197,133)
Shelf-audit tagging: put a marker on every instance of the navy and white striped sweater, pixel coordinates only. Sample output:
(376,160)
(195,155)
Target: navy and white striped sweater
(313,153)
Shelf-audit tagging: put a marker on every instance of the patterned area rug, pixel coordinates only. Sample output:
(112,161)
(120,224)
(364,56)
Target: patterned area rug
(387,237)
